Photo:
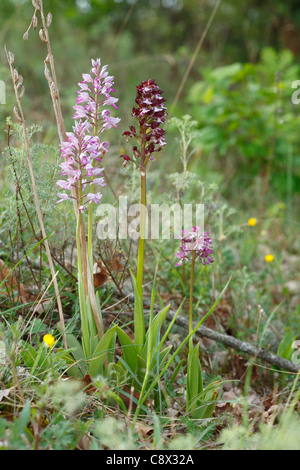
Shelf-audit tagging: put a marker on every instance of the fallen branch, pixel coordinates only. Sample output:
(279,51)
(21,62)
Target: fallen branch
(243,346)
(230,341)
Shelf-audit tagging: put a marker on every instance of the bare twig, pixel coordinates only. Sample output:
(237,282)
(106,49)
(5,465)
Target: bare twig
(199,45)
(18,111)
(243,346)
(230,341)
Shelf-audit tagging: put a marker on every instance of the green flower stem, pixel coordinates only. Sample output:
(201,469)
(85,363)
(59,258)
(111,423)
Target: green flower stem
(90,232)
(81,244)
(78,232)
(191,301)
(191,345)
(84,273)
(151,386)
(141,249)
(79,259)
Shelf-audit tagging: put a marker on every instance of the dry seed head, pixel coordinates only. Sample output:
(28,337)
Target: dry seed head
(17,114)
(20,81)
(25,36)
(54,91)
(49,20)
(15,76)
(41,34)
(22,92)
(34,22)
(261,310)
(11,58)
(36,4)
(47,72)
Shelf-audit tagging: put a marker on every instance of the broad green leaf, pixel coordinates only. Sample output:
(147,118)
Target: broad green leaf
(193,376)
(77,352)
(155,330)
(285,346)
(128,349)
(206,402)
(206,410)
(28,353)
(98,356)
(141,366)
(24,417)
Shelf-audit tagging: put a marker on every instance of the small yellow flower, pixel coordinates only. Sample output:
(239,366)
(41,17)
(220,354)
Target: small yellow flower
(269,258)
(49,340)
(252,222)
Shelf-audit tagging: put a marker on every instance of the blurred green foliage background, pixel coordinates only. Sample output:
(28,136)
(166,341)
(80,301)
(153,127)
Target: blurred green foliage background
(238,90)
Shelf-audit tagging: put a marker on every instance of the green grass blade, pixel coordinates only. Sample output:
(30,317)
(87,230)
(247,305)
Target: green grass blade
(155,381)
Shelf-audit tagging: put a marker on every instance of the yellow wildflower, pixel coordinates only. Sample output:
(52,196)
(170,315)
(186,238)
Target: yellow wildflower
(49,340)
(269,258)
(252,222)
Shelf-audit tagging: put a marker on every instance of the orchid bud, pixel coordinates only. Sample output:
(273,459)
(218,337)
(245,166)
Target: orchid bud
(150,114)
